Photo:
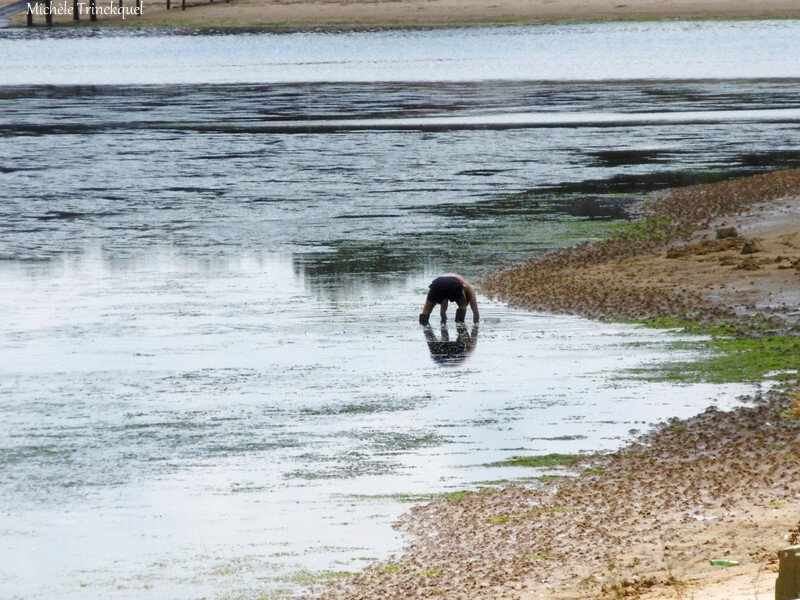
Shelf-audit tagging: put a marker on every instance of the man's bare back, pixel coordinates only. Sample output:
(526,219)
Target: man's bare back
(450,287)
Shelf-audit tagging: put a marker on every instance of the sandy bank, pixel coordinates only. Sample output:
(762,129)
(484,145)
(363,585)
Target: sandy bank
(671,264)
(304,14)
(643,522)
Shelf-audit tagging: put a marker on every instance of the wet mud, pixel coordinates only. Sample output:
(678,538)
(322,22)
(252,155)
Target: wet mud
(629,521)
(648,271)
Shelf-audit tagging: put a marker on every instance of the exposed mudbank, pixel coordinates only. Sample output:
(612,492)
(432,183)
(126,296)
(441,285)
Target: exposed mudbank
(646,516)
(669,264)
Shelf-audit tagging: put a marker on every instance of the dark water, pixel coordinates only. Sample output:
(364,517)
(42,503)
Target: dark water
(121,169)
(212,380)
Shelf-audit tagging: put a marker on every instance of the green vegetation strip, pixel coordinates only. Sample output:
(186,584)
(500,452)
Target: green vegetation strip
(308,578)
(646,229)
(542,461)
(732,353)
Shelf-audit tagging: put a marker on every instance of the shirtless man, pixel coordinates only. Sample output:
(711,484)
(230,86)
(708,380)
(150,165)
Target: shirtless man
(450,287)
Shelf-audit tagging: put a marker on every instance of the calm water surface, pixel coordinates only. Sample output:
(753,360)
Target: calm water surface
(187,430)
(211,378)
(650,50)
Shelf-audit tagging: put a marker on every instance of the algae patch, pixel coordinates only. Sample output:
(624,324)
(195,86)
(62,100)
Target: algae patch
(653,228)
(729,357)
(541,461)
(498,519)
(308,578)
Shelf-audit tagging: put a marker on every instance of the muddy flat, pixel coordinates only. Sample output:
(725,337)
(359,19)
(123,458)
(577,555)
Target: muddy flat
(753,272)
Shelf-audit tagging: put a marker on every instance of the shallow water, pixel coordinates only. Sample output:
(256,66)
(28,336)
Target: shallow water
(220,429)
(211,378)
(124,168)
(598,51)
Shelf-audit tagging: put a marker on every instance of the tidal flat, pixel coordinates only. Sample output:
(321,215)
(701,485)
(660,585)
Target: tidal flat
(213,382)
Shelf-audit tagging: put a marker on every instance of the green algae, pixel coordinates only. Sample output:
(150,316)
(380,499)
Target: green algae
(404,497)
(726,359)
(549,478)
(460,494)
(308,578)
(541,461)
(594,471)
(489,483)
(498,519)
(646,229)
(731,352)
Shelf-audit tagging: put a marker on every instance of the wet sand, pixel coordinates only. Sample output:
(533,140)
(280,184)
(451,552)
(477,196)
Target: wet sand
(348,14)
(719,485)
(673,265)
(644,521)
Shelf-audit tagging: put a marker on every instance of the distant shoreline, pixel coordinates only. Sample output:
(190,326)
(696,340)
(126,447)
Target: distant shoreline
(346,15)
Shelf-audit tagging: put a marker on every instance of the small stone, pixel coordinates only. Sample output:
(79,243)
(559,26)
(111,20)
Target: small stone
(727,232)
(752,246)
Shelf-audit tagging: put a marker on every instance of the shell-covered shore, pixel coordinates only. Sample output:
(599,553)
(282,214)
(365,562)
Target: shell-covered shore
(720,484)
(641,274)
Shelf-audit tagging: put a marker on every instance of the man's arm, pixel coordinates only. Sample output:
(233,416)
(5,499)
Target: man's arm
(443,310)
(426,311)
(473,304)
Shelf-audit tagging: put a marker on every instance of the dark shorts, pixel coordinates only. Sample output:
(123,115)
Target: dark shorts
(445,288)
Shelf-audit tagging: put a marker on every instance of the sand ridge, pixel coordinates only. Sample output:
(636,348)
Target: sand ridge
(673,265)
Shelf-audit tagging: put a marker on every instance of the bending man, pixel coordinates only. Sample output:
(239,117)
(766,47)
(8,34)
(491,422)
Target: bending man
(450,287)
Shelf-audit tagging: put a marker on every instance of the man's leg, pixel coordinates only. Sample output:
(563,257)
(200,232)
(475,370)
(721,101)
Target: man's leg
(461,312)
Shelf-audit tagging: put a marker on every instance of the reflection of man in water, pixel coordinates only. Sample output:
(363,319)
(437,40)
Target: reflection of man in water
(450,287)
(446,352)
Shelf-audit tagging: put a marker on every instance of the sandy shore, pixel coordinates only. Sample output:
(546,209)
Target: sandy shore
(643,522)
(304,14)
(673,265)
